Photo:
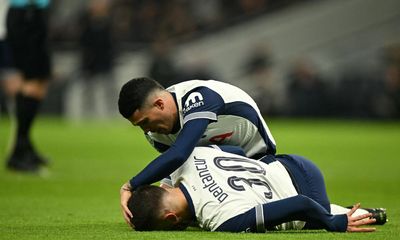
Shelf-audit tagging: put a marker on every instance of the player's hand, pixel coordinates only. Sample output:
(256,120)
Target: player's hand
(353,223)
(126,193)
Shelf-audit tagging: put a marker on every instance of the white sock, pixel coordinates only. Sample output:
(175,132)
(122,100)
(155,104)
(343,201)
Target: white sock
(336,209)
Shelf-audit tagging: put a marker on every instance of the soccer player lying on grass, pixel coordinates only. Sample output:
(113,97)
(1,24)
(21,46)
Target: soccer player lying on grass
(228,192)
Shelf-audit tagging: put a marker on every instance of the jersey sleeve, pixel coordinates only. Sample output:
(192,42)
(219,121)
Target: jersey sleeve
(201,103)
(269,215)
(174,157)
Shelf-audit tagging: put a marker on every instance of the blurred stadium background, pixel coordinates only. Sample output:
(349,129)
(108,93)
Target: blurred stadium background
(307,58)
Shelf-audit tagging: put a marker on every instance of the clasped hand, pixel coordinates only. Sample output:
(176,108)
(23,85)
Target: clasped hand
(353,223)
(126,193)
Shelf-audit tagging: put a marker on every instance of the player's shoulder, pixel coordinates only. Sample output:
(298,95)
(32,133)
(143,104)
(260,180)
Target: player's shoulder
(197,83)
(210,89)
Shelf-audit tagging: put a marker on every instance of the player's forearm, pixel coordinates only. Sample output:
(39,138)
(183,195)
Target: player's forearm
(159,168)
(305,209)
(174,157)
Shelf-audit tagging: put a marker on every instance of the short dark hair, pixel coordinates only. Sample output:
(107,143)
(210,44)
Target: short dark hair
(134,93)
(145,205)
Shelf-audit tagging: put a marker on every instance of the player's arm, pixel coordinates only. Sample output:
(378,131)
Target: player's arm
(299,207)
(174,157)
(165,164)
(201,107)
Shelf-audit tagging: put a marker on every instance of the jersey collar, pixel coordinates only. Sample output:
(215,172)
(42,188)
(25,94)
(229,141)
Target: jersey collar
(177,124)
(189,200)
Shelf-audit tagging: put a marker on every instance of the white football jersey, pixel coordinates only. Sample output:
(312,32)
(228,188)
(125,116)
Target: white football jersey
(236,119)
(223,185)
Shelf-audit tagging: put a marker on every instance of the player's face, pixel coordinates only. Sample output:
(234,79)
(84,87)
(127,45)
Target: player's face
(154,118)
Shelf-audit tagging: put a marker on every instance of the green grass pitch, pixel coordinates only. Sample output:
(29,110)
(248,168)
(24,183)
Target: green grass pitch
(78,198)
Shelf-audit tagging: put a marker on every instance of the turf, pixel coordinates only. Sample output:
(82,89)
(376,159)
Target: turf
(78,197)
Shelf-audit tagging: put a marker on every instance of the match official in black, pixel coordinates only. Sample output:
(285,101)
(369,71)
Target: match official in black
(28,40)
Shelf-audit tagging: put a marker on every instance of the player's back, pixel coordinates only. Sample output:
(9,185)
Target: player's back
(228,92)
(223,185)
(235,117)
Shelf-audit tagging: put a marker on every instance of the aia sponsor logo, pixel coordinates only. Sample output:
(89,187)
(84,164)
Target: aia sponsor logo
(194,100)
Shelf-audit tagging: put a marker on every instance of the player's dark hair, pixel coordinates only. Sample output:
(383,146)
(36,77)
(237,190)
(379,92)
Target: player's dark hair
(134,93)
(145,205)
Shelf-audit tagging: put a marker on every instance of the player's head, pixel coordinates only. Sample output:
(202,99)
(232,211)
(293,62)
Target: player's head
(134,93)
(151,210)
(145,103)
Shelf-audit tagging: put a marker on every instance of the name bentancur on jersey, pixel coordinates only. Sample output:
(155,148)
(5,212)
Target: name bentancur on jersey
(208,180)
